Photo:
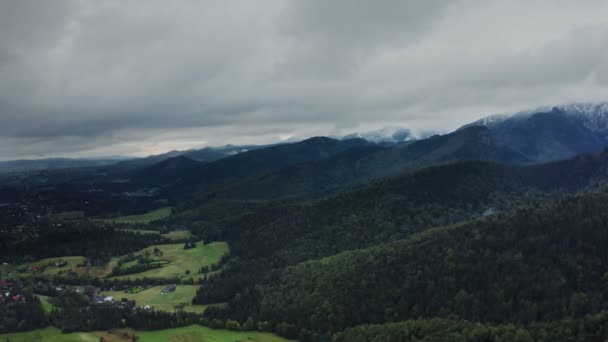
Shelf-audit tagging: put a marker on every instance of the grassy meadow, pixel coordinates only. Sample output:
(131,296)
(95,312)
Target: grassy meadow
(193,333)
(181,260)
(178,235)
(47,266)
(162,302)
(48,269)
(49,334)
(175,258)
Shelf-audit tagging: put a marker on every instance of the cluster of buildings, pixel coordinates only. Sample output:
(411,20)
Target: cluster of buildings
(169,289)
(7,295)
(102,299)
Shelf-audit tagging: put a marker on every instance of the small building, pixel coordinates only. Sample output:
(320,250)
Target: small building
(61,263)
(169,289)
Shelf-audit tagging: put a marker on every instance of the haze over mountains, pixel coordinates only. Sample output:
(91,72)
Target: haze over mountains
(204,155)
(393,135)
(320,166)
(540,135)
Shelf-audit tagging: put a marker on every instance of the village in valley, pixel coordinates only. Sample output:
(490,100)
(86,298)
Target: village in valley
(132,264)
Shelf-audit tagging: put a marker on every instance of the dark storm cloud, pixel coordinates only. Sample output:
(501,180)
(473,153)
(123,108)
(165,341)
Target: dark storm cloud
(90,77)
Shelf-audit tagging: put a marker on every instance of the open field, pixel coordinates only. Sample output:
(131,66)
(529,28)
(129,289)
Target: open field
(140,231)
(146,218)
(193,333)
(178,235)
(197,333)
(48,269)
(177,260)
(182,260)
(103,271)
(162,302)
(49,335)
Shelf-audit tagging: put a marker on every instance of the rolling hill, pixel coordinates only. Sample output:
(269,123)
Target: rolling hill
(271,238)
(358,164)
(541,264)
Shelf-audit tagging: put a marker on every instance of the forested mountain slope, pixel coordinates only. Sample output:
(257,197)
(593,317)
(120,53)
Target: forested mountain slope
(400,205)
(543,264)
(267,240)
(364,163)
(273,158)
(589,328)
(246,164)
(218,198)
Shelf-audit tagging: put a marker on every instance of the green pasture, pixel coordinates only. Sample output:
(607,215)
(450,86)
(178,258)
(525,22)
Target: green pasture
(181,260)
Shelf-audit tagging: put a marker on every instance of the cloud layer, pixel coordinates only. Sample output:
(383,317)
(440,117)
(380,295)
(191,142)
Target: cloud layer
(90,78)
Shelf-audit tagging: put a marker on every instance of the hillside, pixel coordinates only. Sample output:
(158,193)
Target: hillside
(432,196)
(590,328)
(541,264)
(175,172)
(271,238)
(277,157)
(359,164)
(181,174)
(206,154)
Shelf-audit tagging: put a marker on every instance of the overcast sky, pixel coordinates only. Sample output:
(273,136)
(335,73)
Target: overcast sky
(94,78)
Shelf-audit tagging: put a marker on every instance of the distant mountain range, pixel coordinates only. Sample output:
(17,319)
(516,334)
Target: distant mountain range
(51,163)
(185,171)
(533,136)
(520,139)
(354,162)
(206,154)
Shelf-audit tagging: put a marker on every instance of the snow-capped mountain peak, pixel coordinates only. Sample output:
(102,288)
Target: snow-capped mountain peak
(588,109)
(579,108)
(595,114)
